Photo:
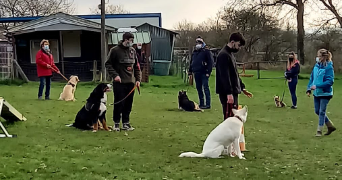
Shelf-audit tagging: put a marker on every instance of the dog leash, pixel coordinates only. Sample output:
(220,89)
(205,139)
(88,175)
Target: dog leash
(128,94)
(60,74)
(282,98)
(229,113)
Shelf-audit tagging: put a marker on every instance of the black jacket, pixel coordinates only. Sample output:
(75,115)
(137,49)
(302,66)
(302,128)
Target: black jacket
(293,72)
(227,76)
(201,61)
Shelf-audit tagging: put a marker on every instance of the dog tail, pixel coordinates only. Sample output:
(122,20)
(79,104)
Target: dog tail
(191,154)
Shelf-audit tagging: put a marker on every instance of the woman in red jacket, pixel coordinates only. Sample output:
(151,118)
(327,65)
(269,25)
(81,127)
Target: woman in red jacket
(45,67)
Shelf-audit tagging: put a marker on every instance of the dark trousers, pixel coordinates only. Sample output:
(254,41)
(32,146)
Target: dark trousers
(202,83)
(292,88)
(44,80)
(123,108)
(227,111)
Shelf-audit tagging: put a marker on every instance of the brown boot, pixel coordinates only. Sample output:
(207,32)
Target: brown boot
(331,128)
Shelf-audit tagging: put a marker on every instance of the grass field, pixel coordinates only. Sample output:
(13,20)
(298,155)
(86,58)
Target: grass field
(281,142)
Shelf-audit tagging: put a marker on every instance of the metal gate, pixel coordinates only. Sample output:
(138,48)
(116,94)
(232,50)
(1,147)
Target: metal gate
(6,61)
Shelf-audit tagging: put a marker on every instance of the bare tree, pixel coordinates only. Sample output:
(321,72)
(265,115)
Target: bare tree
(299,6)
(331,7)
(20,8)
(111,9)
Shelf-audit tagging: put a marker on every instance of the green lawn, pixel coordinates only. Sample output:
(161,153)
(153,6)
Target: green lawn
(281,141)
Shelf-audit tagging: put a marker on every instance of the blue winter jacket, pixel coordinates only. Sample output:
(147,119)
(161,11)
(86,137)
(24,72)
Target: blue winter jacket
(201,61)
(322,76)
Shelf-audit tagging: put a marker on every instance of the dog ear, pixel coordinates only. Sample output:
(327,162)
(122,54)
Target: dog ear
(77,79)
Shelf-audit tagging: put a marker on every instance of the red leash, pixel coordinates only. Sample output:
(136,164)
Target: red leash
(60,74)
(229,111)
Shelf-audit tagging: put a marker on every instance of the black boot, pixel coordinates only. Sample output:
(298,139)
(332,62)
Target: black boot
(331,128)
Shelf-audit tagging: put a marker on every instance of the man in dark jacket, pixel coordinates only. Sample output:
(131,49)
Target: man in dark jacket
(228,82)
(201,65)
(124,68)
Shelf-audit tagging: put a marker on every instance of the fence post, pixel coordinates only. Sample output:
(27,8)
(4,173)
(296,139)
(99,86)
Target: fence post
(258,70)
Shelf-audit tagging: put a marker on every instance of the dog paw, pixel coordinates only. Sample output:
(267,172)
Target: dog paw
(94,131)
(242,154)
(242,158)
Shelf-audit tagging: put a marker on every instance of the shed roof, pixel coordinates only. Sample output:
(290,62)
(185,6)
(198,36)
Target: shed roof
(58,22)
(142,37)
(147,24)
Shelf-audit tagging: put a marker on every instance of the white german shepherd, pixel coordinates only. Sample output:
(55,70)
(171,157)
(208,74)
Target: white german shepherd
(226,134)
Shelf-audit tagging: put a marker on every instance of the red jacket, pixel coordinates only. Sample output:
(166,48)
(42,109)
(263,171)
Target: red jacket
(42,60)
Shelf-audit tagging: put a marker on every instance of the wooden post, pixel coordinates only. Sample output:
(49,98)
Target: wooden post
(258,70)
(21,72)
(61,51)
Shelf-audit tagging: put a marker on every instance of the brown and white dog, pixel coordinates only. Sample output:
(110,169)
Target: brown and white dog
(278,103)
(69,89)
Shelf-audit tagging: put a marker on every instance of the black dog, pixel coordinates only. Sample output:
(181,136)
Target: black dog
(87,117)
(185,104)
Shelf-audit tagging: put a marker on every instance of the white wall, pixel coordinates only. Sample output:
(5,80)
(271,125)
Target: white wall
(71,43)
(128,22)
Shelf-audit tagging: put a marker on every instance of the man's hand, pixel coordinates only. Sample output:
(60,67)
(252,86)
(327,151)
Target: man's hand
(137,84)
(230,99)
(247,93)
(313,87)
(48,66)
(207,75)
(289,80)
(117,79)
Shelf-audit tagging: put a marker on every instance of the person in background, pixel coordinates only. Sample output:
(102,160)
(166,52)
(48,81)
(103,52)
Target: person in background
(321,82)
(291,74)
(140,55)
(228,82)
(45,67)
(201,65)
(124,68)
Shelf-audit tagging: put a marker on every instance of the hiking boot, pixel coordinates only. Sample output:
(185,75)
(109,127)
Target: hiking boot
(47,98)
(293,107)
(116,127)
(319,131)
(127,127)
(40,98)
(204,107)
(331,128)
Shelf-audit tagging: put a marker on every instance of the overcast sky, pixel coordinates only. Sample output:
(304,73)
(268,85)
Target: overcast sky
(172,11)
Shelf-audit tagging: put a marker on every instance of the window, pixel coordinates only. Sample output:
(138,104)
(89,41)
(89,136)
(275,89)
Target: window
(35,47)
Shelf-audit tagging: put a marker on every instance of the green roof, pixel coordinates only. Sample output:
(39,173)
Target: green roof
(143,37)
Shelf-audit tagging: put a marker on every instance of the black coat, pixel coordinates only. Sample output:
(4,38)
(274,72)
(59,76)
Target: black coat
(227,76)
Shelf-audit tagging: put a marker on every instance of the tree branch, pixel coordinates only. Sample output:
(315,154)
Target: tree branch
(280,2)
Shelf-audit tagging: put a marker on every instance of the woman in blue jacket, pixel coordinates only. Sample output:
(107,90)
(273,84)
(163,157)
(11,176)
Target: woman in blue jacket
(291,74)
(321,82)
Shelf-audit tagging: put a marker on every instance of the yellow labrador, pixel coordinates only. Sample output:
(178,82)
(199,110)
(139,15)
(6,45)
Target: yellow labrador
(69,89)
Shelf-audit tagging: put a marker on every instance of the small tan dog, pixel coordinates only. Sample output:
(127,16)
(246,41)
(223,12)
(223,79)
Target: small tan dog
(69,89)
(279,103)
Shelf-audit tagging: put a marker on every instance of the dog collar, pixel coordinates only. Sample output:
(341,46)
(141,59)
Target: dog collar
(238,118)
(69,83)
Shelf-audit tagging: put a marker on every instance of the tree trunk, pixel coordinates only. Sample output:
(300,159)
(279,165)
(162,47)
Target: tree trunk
(300,33)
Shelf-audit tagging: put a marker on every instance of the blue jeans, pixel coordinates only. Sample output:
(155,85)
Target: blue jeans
(292,88)
(320,108)
(202,83)
(43,80)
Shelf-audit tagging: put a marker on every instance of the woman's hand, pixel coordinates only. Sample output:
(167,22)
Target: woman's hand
(313,87)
